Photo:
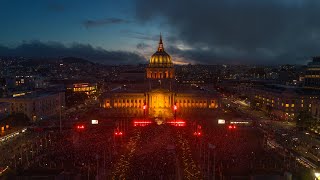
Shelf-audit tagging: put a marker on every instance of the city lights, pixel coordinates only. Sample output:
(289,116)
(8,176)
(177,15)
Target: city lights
(160,90)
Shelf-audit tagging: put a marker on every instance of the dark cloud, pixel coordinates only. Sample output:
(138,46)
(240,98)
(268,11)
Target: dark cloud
(103,22)
(269,31)
(139,35)
(142,46)
(58,50)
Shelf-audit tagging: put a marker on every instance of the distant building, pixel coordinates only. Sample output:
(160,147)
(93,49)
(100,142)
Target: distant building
(316,115)
(36,105)
(88,88)
(283,102)
(312,77)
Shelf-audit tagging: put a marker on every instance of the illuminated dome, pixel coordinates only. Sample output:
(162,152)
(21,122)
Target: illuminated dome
(160,58)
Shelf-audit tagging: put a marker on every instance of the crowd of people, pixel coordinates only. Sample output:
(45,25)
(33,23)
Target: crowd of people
(235,151)
(153,158)
(149,152)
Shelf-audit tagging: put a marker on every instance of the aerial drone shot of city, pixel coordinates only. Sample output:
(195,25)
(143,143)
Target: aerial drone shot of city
(160,90)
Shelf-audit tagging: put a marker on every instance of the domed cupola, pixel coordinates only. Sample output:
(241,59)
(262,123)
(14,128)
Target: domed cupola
(160,64)
(160,58)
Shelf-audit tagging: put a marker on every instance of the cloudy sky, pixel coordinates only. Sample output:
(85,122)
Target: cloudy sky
(127,31)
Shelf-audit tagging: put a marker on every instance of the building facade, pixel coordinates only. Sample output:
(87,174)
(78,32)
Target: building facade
(283,102)
(312,77)
(37,105)
(88,88)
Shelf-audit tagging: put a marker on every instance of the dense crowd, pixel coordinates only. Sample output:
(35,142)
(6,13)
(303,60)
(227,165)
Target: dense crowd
(150,152)
(153,159)
(236,151)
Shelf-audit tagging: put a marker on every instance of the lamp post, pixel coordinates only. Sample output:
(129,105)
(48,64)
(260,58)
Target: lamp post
(144,111)
(60,118)
(175,112)
(212,147)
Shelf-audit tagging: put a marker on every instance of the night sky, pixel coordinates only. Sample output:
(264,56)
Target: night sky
(194,31)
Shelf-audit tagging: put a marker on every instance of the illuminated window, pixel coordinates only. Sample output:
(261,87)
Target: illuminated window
(287,105)
(301,105)
(292,105)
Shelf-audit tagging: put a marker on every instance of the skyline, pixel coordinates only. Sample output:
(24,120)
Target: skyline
(127,32)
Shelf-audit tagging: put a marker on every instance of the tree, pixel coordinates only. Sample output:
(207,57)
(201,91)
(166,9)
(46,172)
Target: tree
(269,109)
(75,98)
(304,120)
(254,104)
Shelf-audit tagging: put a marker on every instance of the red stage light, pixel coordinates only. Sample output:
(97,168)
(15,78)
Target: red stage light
(141,123)
(80,127)
(197,133)
(118,133)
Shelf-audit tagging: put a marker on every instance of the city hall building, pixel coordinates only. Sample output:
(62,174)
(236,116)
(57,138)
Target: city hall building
(159,96)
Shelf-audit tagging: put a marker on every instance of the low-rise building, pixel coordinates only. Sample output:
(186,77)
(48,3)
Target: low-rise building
(88,88)
(312,77)
(37,105)
(283,102)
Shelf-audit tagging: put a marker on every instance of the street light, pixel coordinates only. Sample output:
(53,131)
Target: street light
(175,112)
(60,119)
(317,175)
(144,111)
